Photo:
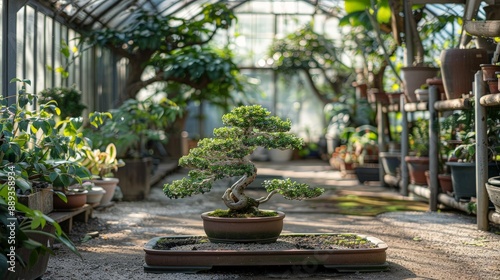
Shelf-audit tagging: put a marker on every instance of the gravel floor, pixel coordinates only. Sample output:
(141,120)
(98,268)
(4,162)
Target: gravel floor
(422,245)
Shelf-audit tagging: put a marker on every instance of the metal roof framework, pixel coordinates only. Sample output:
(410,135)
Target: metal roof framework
(117,14)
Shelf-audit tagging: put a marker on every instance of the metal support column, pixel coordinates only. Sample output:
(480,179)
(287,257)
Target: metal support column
(381,128)
(481,154)
(433,148)
(404,149)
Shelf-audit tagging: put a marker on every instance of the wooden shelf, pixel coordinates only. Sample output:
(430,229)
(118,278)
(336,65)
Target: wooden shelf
(490,100)
(65,218)
(413,107)
(454,104)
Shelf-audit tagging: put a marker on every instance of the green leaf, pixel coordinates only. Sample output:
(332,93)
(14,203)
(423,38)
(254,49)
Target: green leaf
(351,6)
(23,184)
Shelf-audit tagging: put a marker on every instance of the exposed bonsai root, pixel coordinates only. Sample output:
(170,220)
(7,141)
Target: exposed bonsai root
(235,198)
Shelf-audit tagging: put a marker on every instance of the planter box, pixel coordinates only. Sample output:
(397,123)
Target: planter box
(41,199)
(135,178)
(343,260)
(39,268)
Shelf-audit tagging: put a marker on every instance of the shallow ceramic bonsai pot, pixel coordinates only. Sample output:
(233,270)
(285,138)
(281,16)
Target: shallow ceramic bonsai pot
(254,229)
(339,259)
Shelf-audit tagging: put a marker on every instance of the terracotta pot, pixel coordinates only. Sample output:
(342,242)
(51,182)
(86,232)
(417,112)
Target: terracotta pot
(394,97)
(256,229)
(458,67)
(416,168)
(439,83)
(445,183)
(75,200)
(489,71)
(493,189)
(361,90)
(109,185)
(492,86)
(374,96)
(414,77)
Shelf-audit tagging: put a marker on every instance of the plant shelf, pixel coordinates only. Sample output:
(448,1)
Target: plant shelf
(341,260)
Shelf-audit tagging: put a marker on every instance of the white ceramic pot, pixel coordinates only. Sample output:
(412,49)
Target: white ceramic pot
(95,195)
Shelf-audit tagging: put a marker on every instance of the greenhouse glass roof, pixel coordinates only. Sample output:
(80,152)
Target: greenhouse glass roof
(116,14)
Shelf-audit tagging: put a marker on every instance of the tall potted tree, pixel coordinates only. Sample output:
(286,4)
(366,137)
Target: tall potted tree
(226,156)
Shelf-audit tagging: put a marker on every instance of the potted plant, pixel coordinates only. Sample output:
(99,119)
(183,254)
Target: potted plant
(34,232)
(227,156)
(32,153)
(418,162)
(36,147)
(463,166)
(102,165)
(132,126)
(362,146)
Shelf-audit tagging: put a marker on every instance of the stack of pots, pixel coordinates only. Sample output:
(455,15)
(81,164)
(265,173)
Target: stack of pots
(490,76)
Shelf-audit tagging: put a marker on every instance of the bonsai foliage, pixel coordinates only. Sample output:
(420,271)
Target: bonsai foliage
(225,156)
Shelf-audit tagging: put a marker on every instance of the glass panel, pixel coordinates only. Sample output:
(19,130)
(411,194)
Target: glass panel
(20,45)
(40,53)
(57,53)
(48,50)
(1,45)
(296,102)
(29,47)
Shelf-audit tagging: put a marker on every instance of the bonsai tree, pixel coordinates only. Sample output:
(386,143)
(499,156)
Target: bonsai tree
(226,155)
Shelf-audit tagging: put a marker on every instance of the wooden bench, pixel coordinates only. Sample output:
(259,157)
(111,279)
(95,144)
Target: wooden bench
(65,218)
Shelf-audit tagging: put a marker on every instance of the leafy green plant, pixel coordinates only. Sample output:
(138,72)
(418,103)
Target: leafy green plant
(68,99)
(25,224)
(361,144)
(419,138)
(226,156)
(177,49)
(101,163)
(35,146)
(132,125)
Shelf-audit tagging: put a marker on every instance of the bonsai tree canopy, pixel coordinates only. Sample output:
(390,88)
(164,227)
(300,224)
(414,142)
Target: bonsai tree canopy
(225,156)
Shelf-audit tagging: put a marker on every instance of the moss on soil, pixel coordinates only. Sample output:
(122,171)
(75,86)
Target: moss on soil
(295,241)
